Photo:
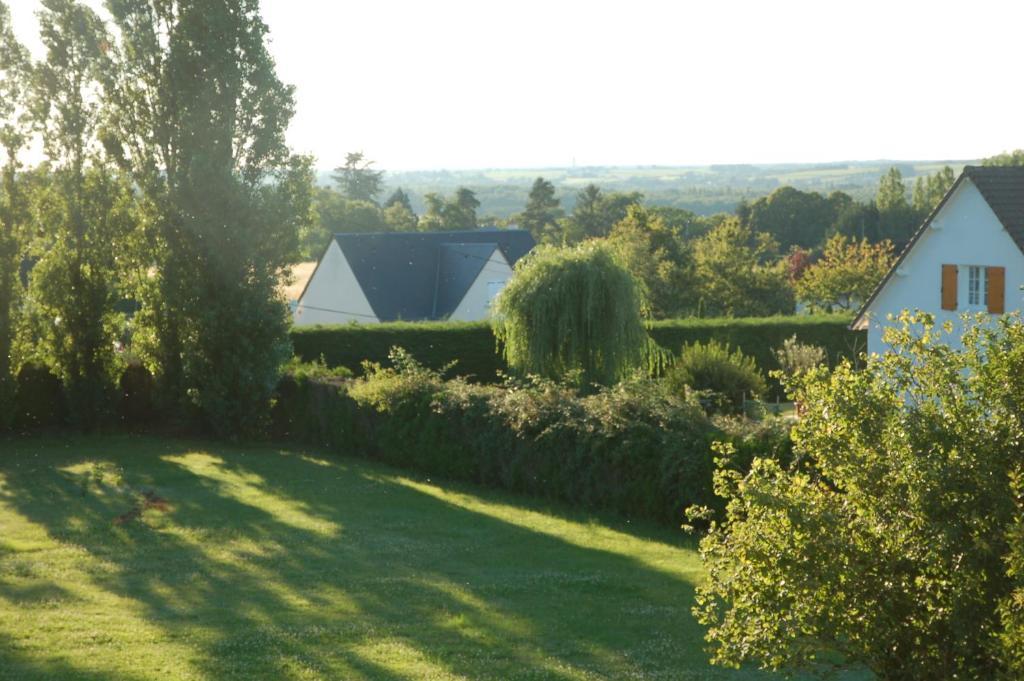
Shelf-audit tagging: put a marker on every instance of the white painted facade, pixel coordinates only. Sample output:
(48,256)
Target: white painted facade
(476,304)
(333,295)
(966,233)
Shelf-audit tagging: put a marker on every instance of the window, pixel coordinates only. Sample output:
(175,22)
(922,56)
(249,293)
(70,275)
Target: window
(493,289)
(977,291)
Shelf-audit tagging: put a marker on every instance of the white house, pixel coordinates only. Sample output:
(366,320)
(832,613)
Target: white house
(410,276)
(968,256)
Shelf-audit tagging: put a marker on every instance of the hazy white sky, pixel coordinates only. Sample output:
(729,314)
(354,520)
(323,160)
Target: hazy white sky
(448,84)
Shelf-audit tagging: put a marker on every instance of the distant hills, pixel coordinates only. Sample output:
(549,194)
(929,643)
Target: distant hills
(701,189)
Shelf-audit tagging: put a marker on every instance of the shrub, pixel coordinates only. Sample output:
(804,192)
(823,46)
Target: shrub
(726,377)
(894,543)
(633,448)
(39,399)
(314,409)
(795,357)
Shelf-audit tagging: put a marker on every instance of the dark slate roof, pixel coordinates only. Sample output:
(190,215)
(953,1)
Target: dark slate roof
(424,275)
(1002,187)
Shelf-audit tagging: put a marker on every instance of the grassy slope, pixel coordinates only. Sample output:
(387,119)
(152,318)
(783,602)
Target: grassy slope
(280,565)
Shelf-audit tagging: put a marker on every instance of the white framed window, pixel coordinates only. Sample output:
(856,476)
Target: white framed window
(977,290)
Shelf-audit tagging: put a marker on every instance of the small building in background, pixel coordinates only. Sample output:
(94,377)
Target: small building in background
(410,276)
(968,256)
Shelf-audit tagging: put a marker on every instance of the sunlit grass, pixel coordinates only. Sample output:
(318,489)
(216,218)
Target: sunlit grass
(261,564)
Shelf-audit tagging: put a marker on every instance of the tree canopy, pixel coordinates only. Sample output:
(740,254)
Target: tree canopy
(895,540)
(572,312)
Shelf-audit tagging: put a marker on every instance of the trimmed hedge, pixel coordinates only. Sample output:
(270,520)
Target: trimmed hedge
(435,344)
(635,449)
(473,346)
(758,337)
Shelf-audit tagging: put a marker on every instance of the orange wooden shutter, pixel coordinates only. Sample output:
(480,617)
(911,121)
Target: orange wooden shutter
(949,287)
(995,283)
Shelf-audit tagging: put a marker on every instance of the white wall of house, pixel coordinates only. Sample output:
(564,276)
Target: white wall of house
(334,295)
(476,304)
(964,233)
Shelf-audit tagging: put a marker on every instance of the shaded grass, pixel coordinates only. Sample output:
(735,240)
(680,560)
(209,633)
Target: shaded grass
(286,565)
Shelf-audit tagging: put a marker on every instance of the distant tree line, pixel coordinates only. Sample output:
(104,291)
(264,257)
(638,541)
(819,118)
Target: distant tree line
(770,255)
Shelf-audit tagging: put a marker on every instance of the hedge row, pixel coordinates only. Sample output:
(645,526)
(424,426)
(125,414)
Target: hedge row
(473,347)
(635,449)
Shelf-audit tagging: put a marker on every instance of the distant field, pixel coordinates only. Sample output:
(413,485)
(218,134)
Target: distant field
(257,563)
(702,189)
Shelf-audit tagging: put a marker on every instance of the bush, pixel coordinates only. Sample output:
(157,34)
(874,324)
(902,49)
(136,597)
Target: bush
(795,357)
(39,399)
(633,448)
(895,542)
(314,409)
(724,378)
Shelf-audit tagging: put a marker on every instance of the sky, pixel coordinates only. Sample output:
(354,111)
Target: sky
(527,84)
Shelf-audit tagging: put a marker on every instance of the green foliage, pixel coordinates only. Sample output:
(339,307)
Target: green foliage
(887,546)
(929,190)
(659,261)
(796,358)
(736,275)
(634,448)
(40,400)
(1009,158)
(595,213)
(572,314)
(14,130)
(542,213)
(224,197)
(897,219)
(472,346)
(436,344)
(846,274)
(724,378)
(357,180)
(792,217)
(83,213)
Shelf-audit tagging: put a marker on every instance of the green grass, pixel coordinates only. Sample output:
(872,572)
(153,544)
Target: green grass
(270,564)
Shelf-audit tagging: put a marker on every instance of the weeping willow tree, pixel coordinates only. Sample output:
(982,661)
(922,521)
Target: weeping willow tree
(573,314)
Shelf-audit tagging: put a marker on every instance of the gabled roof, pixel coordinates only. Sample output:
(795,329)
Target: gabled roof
(1002,187)
(424,275)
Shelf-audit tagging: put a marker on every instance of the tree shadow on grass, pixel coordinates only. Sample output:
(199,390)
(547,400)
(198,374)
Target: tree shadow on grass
(280,565)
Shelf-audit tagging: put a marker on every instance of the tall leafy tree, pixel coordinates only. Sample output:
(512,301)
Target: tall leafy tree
(85,214)
(659,261)
(14,134)
(460,212)
(400,198)
(357,180)
(542,213)
(896,217)
(792,217)
(846,274)
(736,274)
(929,190)
(573,313)
(595,213)
(198,116)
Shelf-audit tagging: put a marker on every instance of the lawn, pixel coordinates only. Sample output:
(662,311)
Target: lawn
(257,563)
